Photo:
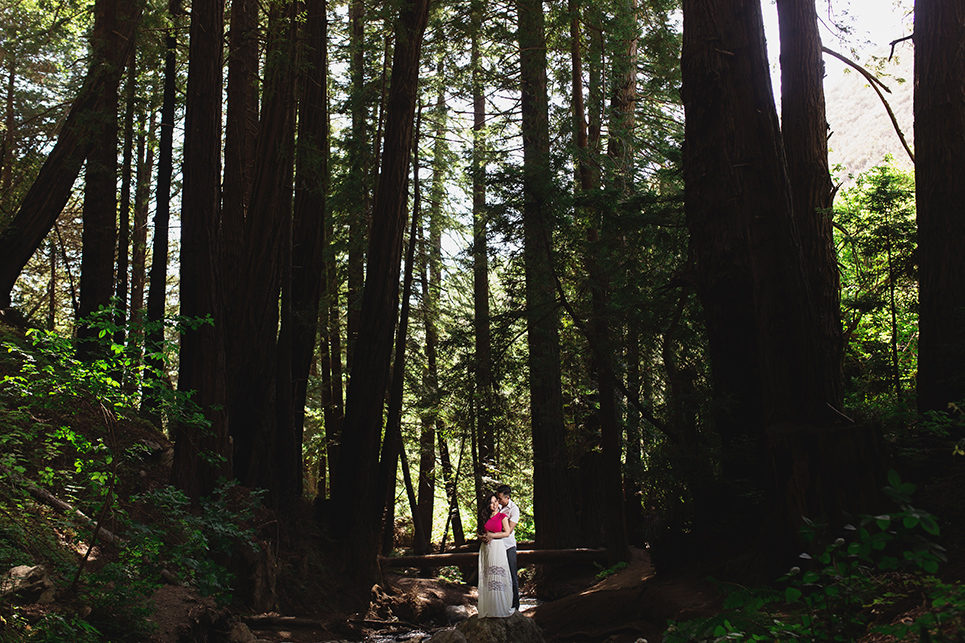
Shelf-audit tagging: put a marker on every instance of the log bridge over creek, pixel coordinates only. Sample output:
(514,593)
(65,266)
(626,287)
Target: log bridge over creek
(523,556)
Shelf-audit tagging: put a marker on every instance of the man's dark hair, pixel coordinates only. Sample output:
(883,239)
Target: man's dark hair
(505,490)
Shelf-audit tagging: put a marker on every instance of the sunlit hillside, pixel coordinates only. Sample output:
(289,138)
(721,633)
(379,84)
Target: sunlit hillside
(861,131)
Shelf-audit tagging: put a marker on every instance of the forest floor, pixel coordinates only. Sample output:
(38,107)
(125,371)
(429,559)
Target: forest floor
(289,574)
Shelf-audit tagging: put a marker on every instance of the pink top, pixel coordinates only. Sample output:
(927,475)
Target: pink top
(495,524)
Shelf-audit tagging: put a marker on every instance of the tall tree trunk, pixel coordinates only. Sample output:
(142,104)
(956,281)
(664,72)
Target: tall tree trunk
(358,500)
(360,169)
(145,168)
(157,293)
(940,192)
(125,206)
(51,189)
(805,137)
(484,390)
(633,461)
(431,288)
(335,409)
(100,188)
(392,445)
(309,243)
(253,334)
(602,249)
(749,270)
(202,453)
(241,136)
(241,131)
(550,496)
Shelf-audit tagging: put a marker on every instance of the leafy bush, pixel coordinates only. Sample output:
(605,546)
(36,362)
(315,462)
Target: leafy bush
(883,565)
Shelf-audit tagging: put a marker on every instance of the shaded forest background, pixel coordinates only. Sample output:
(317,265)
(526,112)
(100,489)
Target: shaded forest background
(367,260)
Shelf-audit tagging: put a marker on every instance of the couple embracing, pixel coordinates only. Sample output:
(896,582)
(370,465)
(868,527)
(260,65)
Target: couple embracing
(498,582)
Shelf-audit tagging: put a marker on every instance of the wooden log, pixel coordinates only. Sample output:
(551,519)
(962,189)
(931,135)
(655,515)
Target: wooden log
(44,496)
(524,557)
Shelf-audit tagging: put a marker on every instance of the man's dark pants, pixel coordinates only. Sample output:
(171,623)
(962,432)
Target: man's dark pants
(511,557)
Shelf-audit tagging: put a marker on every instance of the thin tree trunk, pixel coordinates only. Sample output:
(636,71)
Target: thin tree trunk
(633,461)
(358,498)
(52,287)
(202,361)
(431,286)
(51,189)
(125,206)
(360,170)
(484,389)
(10,131)
(939,190)
(550,480)
(145,168)
(451,480)
(157,293)
(893,309)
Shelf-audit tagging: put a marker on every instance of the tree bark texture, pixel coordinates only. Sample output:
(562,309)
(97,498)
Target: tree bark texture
(482,337)
(431,291)
(743,239)
(157,293)
(122,282)
(202,454)
(805,136)
(145,169)
(550,480)
(241,133)
(358,500)
(939,107)
(309,243)
(51,189)
(252,330)
(360,170)
(100,185)
(392,444)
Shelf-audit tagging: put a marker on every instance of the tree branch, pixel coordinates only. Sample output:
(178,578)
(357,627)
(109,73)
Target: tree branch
(875,84)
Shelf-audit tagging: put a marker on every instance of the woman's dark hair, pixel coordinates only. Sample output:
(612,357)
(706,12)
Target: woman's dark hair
(505,490)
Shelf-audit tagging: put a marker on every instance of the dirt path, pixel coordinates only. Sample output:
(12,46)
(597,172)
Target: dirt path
(631,604)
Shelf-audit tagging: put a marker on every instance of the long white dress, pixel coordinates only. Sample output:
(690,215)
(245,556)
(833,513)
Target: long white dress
(495,585)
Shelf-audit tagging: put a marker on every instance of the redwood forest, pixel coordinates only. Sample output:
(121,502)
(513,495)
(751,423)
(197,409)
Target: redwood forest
(297,296)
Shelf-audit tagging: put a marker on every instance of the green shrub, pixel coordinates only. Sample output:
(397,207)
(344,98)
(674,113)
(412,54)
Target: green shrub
(875,568)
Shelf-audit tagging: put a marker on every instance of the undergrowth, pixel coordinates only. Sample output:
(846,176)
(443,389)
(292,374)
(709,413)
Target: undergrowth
(877,578)
(70,429)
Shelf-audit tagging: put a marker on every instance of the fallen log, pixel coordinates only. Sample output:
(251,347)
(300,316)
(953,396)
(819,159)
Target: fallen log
(49,499)
(524,557)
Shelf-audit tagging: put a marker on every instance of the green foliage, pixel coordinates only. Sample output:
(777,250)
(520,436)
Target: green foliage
(194,544)
(881,567)
(876,237)
(54,627)
(60,417)
(610,571)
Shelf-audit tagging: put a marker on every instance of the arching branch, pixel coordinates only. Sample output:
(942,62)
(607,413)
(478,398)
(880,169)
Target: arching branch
(876,85)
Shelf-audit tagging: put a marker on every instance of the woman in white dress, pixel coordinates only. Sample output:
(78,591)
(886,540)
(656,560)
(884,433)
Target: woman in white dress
(495,585)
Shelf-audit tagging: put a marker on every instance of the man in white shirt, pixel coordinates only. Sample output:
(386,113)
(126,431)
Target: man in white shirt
(509,508)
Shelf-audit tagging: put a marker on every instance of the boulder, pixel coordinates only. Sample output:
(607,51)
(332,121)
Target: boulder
(25,584)
(513,629)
